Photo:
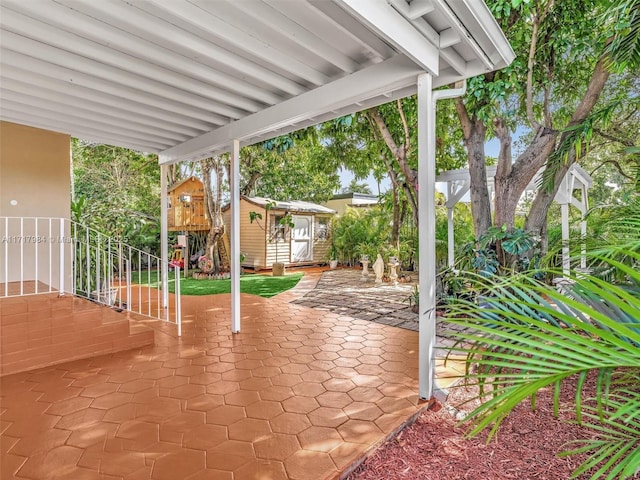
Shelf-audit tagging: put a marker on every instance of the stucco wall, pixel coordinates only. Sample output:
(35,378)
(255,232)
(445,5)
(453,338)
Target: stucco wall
(34,171)
(34,182)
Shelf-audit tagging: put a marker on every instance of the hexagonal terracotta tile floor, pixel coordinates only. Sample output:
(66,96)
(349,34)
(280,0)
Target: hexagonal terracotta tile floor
(299,394)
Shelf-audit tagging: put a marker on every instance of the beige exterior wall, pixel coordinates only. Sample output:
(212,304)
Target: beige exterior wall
(252,237)
(34,182)
(34,172)
(339,205)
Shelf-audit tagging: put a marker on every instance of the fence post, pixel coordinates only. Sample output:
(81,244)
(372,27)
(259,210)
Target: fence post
(178,302)
(127,267)
(61,240)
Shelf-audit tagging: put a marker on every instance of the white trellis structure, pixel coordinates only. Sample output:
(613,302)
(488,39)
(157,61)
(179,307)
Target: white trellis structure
(577,179)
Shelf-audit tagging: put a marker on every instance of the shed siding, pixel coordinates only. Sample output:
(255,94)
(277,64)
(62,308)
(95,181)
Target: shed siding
(321,244)
(259,252)
(252,236)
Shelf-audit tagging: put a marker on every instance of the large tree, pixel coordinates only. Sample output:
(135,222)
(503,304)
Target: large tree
(549,93)
(552,87)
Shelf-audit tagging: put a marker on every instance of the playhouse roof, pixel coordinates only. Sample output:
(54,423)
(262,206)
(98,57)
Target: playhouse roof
(182,182)
(292,206)
(185,79)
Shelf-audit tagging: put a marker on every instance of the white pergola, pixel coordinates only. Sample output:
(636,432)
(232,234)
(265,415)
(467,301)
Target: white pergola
(458,183)
(188,79)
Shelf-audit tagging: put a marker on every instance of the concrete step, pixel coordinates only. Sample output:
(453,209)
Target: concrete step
(41,330)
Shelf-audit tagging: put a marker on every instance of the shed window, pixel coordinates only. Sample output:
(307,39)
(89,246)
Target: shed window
(322,229)
(278,232)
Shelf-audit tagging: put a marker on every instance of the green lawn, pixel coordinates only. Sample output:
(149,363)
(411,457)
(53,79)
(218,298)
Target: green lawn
(262,285)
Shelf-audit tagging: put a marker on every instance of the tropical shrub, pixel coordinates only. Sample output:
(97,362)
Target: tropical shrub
(528,336)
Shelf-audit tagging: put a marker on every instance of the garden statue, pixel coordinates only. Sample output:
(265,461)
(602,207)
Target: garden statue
(365,270)
(393,270)
(378,269)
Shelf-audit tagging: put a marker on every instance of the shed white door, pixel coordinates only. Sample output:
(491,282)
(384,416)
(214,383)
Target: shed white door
(302,238)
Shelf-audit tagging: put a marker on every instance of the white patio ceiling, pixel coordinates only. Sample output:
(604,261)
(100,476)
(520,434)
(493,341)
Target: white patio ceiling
(183,78)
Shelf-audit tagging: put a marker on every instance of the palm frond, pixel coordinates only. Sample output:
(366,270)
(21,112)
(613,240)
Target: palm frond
(528,336)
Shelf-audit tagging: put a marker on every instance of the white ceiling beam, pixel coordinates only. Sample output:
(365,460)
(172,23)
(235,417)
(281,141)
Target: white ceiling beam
(85,26)
(87,115)
(205,19)
(389,24)
(377,49)
(43,111)
(449,38)
(502,52)
(293,32)
(54,89)
(83,132)
(132,19)
(454,21)
(415,9)
(121,89)
(448,54)
(380,78)
(28,27)
(63,58)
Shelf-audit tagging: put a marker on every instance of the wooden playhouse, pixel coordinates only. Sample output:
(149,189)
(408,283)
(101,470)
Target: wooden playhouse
(187,212)
(266,241)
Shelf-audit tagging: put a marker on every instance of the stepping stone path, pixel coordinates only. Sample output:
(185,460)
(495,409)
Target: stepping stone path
(344,292)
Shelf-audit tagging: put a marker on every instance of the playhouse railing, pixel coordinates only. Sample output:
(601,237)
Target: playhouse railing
(46,255)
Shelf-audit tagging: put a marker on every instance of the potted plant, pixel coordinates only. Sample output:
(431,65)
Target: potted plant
(333,256)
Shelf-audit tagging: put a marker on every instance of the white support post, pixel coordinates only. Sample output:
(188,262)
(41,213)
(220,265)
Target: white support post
(234,261)
(427,98)
(583,228)
(566,260)
(164,241)
(450,233)
(426,234)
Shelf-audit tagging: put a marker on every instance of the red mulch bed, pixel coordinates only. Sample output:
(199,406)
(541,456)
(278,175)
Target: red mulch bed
(526,446)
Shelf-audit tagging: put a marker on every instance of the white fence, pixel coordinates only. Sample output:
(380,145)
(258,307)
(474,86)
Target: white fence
(46,255)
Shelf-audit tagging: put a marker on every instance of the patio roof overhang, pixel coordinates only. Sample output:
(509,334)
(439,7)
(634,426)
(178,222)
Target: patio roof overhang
(191,78)
(183,78)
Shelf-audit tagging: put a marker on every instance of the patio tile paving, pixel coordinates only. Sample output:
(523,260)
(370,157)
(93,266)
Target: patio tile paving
(298,394)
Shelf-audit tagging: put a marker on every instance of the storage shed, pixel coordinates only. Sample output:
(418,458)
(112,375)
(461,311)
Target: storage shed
(266,241)
(187,212)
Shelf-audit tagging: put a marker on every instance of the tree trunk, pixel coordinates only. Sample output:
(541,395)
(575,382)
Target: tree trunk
(395,228)
(538,214)
(214,232)
(512,178)
(478,191)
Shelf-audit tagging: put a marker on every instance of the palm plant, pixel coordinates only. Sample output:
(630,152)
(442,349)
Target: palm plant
(529,336)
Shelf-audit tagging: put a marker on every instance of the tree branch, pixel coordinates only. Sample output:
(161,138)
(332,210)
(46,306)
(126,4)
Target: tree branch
(617,167)
(463,115)
(374,115)
(405,126)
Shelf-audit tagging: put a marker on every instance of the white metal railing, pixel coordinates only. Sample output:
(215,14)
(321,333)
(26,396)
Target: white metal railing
(45,255)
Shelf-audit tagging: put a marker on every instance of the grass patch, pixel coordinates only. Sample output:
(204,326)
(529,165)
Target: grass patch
(262,285)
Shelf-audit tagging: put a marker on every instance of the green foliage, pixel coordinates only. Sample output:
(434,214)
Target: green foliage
(297,172)
(624,48)
(361,231)
(529,336)
(482,256)
(357,187)
(117,192)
